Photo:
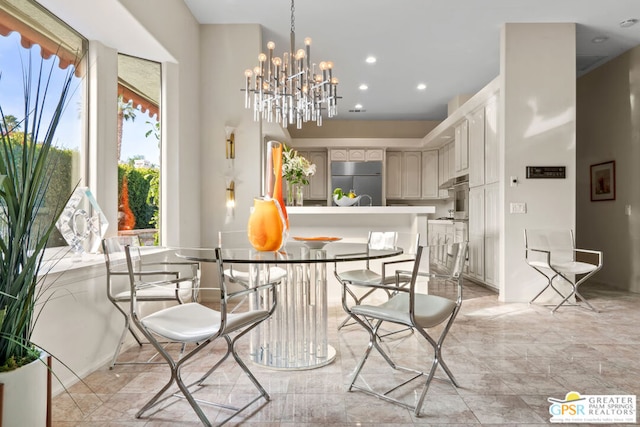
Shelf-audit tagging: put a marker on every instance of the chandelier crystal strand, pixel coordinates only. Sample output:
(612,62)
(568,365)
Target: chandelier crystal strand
(291,89)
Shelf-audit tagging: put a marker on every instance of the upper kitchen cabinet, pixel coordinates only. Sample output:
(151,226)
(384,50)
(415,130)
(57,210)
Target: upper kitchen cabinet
(318,182)
(317,188)
(462,147)
(446,165)
(476,147)
(393,175)
(491,146)
(403,175)
(430,174)
(357,155)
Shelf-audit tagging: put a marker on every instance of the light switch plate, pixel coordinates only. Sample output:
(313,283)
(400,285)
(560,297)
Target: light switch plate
(518,208)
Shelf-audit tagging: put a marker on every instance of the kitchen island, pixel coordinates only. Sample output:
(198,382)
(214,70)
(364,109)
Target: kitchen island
(354,223)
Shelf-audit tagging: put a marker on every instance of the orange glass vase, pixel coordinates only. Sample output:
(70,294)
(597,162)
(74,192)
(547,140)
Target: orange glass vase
(268,222)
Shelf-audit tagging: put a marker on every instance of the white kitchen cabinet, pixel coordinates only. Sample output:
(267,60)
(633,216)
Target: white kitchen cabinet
(430,174)
(339,155)
(317,188)
(491,146)
(318,183)
(491,235)
(440,233)
(393,175)
(476,233)
(374,155)
(476,148)
(445,167)
(403,180)
(412,174)
(460,232)
(356,154)
(462,148)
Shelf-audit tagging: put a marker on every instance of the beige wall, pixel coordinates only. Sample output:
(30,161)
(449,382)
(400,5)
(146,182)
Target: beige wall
(608,128)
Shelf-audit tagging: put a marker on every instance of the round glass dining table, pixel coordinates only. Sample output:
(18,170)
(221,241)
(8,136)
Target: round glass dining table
(295,336)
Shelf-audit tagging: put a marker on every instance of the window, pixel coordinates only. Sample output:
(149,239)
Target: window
(26,29)
(139,141)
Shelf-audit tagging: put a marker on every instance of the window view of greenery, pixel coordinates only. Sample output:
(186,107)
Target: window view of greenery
(138,148)
(65,154)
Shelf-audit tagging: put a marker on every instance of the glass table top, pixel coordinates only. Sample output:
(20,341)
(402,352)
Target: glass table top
(293,252)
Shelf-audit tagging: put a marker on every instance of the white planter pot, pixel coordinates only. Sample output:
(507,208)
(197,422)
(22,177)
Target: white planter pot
(25,394)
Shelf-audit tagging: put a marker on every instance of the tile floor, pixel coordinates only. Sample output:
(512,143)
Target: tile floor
(508,359)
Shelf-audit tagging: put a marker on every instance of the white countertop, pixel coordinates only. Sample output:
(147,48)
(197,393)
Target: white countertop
(378,210)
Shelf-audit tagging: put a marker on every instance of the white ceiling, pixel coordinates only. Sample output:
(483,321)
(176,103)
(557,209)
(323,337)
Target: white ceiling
(451,45)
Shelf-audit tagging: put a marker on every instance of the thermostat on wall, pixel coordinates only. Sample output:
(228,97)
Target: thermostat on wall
(546,172)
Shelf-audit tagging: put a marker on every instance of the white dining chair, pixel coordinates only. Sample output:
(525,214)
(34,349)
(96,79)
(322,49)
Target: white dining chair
(197,326)
(175,281)
(415,307)
(554,255)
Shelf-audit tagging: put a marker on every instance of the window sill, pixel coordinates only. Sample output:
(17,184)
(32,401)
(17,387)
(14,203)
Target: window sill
(78,264)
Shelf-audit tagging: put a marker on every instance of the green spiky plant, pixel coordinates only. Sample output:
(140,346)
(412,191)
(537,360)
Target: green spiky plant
(25,222)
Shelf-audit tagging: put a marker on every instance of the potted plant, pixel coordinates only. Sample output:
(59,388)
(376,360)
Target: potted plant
(25,222)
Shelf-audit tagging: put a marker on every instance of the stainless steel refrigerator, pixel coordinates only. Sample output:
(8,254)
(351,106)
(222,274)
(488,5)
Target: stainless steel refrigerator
(361,177)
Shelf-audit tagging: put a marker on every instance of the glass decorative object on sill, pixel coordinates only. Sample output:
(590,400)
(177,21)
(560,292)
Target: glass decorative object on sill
(82,222)
(268,223)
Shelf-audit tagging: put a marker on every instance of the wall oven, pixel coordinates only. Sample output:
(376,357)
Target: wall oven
(461,197)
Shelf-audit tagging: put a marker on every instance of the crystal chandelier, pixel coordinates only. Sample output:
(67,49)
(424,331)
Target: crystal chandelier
(291,89)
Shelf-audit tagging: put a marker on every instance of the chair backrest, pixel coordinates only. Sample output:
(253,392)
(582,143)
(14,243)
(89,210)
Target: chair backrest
(440,262)
(114,256)
(381,240)
(409,242)
(114,253)
(559,242)
(236,239)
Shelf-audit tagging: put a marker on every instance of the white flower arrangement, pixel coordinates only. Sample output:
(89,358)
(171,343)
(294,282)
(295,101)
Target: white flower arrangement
(296,169)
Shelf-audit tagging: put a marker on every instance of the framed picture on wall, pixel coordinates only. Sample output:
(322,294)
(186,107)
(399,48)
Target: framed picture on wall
(603,181)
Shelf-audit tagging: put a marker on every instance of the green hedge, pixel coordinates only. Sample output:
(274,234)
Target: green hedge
(140,182)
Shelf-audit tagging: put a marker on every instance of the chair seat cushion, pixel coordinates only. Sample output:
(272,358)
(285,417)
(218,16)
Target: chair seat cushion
(431,310)
(193,322)
(160,293)
(275,275)
(574,267)
(360,276)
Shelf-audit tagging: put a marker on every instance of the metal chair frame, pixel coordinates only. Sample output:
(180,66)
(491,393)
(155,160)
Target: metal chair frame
(371,277)
(202,326)
(541,260)
(415,310)
(115,262)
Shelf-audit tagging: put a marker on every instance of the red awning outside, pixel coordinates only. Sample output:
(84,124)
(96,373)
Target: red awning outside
(49,46)
(138,79)
(146,106)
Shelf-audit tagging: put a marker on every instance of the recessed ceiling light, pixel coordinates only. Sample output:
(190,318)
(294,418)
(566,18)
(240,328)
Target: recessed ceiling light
(599,39)
(358,107)
(371,59)
(363,87)
(422,86)
(628,22)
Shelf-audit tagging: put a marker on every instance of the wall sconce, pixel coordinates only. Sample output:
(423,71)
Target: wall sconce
(230,145)
(230,200)
(231,195)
